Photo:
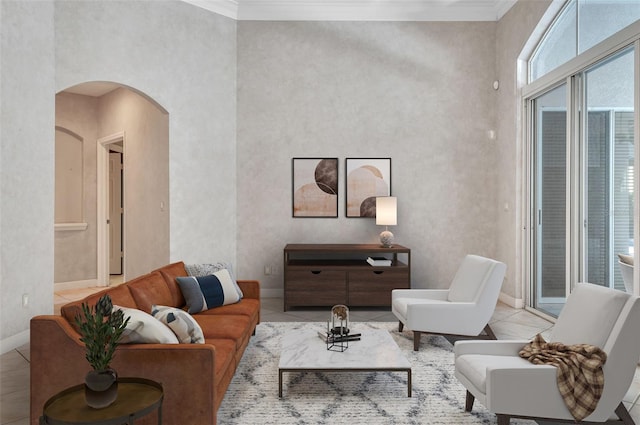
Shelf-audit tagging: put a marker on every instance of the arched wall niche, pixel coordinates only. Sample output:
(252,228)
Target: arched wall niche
(112,117)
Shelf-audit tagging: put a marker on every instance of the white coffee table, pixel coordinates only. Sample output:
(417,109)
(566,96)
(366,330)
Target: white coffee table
(304,351)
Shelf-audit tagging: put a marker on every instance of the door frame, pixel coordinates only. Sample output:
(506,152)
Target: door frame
(102,147)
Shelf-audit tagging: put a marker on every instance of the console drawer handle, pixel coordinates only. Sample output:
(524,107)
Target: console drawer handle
(378,271)
(316,271)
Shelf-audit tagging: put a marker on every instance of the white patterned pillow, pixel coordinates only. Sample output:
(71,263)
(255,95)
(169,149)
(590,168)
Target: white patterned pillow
(204,292)
(143,328)
(206,269)
(180,322)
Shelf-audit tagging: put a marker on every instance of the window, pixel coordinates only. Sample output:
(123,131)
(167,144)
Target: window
(579,26)
(581,123)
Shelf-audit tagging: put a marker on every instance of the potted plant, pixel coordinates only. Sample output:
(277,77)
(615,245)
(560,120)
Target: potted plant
(101,329)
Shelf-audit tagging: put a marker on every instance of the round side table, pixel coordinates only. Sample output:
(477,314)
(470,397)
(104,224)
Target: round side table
(137,397)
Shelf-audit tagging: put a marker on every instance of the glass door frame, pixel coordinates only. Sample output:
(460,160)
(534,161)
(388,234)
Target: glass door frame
(571,74)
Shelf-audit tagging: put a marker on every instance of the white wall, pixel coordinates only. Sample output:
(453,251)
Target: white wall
(146,177)
(26,165)
(179,55)
(75,251)
(420,93)
(513,32)
(146,232)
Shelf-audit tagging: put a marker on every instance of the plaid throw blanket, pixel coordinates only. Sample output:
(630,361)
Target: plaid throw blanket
(580,377)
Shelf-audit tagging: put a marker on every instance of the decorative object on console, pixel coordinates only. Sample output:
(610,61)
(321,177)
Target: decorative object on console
(367,178)
(101,328)
(315,187)
(338,328)
(386,215)
(379,261)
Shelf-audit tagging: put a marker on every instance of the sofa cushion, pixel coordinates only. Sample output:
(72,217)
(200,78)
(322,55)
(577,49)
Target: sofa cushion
(234,327)
(205,292)
(170,272)
(143,328)
(119,295)
(180,322)
(150,289)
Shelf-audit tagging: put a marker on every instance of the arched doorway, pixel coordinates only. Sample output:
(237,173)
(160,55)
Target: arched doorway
(109,117)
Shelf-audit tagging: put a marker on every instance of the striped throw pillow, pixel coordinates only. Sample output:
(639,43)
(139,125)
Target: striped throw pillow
(204,292)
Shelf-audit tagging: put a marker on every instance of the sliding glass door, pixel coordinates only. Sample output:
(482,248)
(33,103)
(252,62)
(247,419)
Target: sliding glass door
(608,169)
(550,193)
(582,179)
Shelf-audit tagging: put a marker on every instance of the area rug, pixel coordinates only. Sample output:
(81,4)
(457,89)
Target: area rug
(348,398)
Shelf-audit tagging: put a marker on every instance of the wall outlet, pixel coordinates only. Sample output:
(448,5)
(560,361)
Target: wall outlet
(25,300)
(268,270)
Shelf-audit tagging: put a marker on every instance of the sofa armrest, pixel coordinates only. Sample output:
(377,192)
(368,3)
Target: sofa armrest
(58,362)
(250,288)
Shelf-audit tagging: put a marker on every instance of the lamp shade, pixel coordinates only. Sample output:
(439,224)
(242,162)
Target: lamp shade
(386,210)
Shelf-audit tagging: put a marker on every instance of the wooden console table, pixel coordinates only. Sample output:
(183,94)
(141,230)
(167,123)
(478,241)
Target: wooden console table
(330,274)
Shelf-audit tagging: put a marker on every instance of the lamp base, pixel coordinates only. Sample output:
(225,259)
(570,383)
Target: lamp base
(386,239)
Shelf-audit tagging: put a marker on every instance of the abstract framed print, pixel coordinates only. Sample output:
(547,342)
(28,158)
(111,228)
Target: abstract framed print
(315,187)
(366,179)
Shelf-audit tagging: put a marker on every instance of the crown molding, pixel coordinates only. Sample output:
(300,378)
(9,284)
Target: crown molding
(228,8)
(358,10)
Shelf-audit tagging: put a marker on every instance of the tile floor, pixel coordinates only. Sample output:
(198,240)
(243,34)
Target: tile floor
(507,323)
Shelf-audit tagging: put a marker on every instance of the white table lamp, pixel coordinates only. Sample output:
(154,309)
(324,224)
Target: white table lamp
(386,215)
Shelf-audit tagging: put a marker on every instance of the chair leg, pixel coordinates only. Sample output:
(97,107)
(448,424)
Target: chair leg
(624,415)
(503,419)
(416,340)
(400,326)
(468,404)
(489,332)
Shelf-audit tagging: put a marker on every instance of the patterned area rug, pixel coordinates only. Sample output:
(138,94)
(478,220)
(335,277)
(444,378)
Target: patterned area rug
(348,398)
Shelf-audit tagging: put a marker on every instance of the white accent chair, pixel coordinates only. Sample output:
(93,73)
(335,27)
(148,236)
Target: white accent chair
(463,310)
(512,387)
(627,276)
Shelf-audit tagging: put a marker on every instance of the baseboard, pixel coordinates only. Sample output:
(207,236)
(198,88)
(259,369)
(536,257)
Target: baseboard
(511,301)
(271,293)
(14,341)
(76,284)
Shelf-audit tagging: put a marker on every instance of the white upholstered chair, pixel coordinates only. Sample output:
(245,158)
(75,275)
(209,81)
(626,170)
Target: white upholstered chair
(463,310)
(627,276)
(510,386)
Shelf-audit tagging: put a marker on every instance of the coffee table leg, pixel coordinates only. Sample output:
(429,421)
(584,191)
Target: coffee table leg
(279,383)
(409,383)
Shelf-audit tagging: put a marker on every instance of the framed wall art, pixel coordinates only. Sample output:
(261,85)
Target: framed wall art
(315,187)
(366,178)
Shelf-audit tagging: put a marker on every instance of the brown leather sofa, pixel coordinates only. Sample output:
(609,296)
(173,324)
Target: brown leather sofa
(194,376)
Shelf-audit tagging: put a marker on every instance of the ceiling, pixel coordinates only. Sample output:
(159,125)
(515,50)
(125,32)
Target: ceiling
(358,10)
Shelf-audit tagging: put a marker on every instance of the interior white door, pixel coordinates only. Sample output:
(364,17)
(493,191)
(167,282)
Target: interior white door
(115,213)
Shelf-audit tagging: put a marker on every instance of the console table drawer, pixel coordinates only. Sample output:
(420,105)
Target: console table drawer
(373,287)
(316,280)
(381,278)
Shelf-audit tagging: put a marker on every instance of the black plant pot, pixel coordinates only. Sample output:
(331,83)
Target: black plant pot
(100,388)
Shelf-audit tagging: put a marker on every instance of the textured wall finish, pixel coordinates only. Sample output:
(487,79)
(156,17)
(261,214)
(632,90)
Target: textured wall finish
(419,93)
(177,54)
(513,32)
(75,251)
(26,160)
(146,177)
(184,58)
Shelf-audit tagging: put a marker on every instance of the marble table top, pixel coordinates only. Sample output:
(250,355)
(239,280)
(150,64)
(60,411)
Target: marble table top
(304,349)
